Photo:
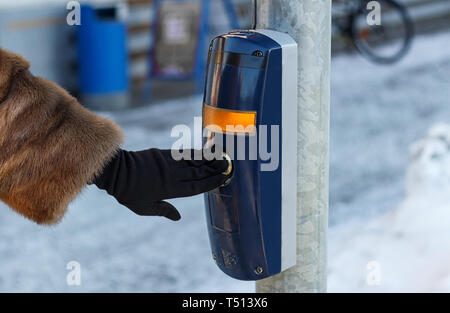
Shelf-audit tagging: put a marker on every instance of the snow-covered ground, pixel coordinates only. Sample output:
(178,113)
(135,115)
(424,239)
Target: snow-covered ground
(387,227)
(408,248)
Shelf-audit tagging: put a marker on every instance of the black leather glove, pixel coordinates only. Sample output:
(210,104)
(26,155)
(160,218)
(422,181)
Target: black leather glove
(141,180)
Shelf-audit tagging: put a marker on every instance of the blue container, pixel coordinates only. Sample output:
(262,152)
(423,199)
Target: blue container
(102,56)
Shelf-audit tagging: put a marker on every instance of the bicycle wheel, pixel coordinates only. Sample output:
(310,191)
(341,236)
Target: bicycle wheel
(388,41)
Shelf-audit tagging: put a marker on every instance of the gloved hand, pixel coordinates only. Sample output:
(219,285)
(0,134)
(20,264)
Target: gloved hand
(141,180)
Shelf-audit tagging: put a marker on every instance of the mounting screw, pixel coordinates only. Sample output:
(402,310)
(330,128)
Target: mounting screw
(259,270)
(257,53)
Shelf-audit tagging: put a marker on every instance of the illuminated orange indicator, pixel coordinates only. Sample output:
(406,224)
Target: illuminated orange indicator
(229,121)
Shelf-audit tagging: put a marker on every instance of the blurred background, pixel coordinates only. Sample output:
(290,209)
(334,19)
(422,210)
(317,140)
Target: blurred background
(142,63)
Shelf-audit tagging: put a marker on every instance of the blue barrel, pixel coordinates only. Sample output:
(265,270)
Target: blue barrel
(102,58)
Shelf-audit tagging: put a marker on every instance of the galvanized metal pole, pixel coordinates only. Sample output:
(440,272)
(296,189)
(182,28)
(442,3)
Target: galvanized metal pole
(309,23)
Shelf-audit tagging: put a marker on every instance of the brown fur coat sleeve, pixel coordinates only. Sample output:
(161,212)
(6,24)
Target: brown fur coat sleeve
(50,145)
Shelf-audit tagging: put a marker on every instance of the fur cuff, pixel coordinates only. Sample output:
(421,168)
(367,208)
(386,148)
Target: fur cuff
(50,145)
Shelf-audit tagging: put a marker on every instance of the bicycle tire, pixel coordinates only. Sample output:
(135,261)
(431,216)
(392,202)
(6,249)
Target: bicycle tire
(368,52)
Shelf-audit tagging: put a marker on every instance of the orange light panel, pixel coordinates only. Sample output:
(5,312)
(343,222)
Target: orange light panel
(229,121)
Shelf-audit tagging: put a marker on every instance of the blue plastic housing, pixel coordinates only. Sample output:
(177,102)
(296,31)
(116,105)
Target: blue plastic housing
(244,217)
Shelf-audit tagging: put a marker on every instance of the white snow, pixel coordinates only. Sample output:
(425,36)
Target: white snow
(410,245)
(383,212)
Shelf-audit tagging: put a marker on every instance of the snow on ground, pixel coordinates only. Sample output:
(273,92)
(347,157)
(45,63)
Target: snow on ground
(377,113)
(407,249)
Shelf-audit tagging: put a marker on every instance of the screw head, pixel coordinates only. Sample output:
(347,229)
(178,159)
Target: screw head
(259,270)
(257,53)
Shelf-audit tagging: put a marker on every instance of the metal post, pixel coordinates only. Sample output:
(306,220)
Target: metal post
(309,23)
